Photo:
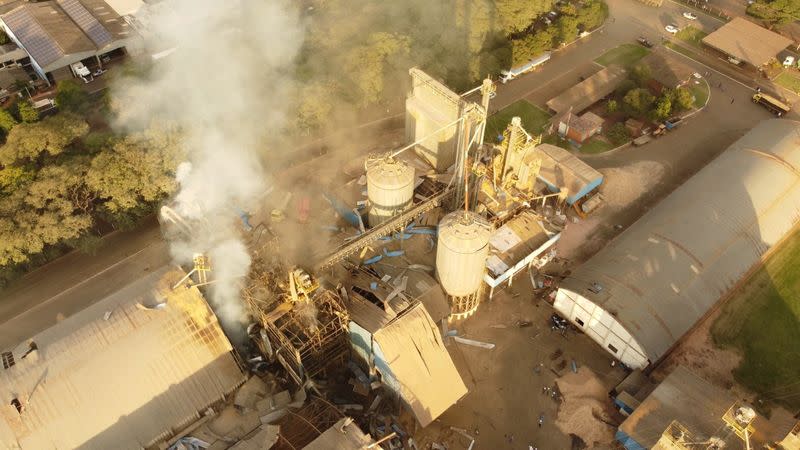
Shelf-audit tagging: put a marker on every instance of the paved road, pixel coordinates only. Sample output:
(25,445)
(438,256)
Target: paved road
(75,281)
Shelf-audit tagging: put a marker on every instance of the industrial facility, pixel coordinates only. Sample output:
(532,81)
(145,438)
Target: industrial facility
(61,387)
(415,239)
(690,250)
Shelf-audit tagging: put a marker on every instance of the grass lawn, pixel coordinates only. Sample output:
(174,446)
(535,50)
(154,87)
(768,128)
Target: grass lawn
(595,145)
(763,322)
(790,81)
(680,49)
(700,92)
(626,55)
(691,35)
(533,119)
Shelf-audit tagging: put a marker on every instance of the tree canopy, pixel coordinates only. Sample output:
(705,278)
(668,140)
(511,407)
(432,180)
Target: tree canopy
(28,141)
(137,168)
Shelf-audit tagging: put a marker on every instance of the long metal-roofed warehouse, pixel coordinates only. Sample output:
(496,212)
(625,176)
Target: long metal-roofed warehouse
(124,373)
(639,295)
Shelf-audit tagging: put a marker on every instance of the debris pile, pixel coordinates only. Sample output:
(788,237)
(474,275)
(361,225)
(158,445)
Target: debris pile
(624,185)
(584,410)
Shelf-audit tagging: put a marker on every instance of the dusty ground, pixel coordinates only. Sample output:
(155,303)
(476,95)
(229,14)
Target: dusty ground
(505,400)
(698,353)
(586,411)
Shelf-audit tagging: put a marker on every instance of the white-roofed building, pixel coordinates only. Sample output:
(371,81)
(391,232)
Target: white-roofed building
(640,294)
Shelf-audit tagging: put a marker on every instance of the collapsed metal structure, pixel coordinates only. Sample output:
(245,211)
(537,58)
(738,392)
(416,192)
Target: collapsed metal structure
(303,325)
(300,428)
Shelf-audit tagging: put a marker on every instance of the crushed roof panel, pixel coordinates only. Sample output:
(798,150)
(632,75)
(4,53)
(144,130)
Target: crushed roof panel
(173,362)
(415,353)
(345,435)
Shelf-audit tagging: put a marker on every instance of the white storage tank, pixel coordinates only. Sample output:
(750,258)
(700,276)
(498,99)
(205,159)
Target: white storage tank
(390,187)
(462,251)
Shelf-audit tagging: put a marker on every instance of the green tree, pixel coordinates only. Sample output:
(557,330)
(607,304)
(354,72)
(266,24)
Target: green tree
(139,168)
(624,87)
(7,121)
(370,63)
(775,12)
(27,141)
(663,108)
(50,209)
(641,74)
(12,177)
(315,106)
(4,38)
(566,29)
(518,15)
(612,106)
(592,14)
(70,97)
(618,134)
(27,113)
(684,98)
(531,46)
(639,101)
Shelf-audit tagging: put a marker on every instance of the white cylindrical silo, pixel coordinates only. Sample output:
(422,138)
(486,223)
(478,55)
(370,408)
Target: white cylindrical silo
(390,188)
(461,252)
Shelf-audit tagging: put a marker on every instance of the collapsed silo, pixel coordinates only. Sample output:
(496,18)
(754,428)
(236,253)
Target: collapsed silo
(461,253)
(390,188)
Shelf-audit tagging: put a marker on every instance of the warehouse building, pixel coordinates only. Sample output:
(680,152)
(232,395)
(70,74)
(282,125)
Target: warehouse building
(684,408)
(124,373)
(747,42)
(57,34)
(587,92)
(638,296)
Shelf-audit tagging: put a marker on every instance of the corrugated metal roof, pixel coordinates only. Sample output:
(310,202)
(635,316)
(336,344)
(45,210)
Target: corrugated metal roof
(345,435)
(564,170)
(588,91)
(123,382)
(682,396)
(413,349)
(52,30)
(87,22)
(747,41)
(667,270)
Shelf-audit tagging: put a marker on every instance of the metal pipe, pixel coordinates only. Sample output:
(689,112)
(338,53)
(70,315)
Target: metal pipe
(397,152)
(382,440)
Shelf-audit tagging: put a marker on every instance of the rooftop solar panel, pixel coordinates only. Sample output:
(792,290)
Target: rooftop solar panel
(40,45)
(87,22)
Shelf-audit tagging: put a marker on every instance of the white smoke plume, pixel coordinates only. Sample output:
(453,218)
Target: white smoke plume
(227,86)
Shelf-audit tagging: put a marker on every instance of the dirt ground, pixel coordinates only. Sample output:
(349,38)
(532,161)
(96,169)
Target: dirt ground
(624,191)
(506,383)
(699,354)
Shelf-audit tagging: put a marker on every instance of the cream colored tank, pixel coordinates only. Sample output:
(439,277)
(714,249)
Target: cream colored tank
(462,251)
(390,188)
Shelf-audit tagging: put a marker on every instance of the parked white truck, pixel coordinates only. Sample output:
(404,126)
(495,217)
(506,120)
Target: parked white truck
(508,75)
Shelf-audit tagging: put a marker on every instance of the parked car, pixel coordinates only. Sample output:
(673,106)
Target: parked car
(671,29)
(642,40)
(733,60)
(690,15)
(788,61)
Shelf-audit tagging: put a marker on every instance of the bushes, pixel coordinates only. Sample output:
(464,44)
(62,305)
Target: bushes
(618,134)
(529,46)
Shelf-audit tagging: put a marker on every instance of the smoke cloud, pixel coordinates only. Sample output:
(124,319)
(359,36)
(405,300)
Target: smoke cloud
(226,85)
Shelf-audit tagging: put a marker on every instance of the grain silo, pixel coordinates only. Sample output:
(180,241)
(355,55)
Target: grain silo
(461,259)
(390,187)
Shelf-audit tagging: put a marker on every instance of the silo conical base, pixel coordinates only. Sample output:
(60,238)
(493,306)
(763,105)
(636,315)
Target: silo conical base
(464,306)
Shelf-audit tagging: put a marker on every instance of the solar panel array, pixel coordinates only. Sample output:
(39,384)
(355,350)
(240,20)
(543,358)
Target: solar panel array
(42,48)
(87,22)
